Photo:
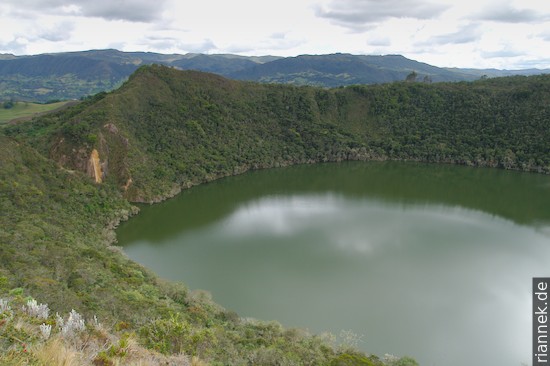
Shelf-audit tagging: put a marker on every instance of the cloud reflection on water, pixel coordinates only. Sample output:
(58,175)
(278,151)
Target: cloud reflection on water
(362,226)
(429,280)
(481,256)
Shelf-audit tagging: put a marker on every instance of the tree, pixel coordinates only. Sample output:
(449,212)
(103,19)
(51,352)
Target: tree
(8,104)
(411,78)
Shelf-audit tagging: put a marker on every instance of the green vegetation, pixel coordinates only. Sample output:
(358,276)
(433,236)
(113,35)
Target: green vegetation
(43,88)
(31,334)
(165,130)
(56,237)
(8,104)
(18,110)
(73,75)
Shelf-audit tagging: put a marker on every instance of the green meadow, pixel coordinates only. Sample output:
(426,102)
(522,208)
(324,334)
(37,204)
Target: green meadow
(27,110)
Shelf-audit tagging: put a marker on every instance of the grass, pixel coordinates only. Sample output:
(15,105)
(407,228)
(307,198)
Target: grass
(22,342)
(24,110)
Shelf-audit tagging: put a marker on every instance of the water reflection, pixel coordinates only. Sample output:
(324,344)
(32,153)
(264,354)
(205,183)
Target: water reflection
(441,280)
(520,197)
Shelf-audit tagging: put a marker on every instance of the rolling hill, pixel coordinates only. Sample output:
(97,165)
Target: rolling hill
(73,75)
(344,69)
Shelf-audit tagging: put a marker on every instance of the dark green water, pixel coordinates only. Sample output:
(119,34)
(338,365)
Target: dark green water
(431,261)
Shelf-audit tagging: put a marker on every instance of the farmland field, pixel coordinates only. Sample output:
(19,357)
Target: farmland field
(25,109)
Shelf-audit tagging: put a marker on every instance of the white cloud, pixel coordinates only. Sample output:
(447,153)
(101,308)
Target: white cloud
(545,35)
(129,10)
(57,33)
(204,46)
(439,32)
(501,53)
(466,34)
(381,41)
(507,13)
(361,14)
(16,46)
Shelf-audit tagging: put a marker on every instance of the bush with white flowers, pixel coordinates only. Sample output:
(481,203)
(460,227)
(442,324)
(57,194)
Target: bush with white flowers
(75,323)
(4,306)
(40,311)
(45,330)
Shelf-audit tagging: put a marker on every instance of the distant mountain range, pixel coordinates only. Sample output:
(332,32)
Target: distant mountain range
(72,75)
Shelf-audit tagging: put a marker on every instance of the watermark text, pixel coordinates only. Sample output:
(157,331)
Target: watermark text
(540,321)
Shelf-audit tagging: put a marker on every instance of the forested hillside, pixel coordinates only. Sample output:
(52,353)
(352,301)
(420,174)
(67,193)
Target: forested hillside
(68,177)
(55,245)
(166,129)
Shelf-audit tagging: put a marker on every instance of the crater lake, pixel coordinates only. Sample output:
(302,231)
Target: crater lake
(430,261)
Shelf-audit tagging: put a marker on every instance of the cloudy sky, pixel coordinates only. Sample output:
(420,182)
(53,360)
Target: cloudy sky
(463,33)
